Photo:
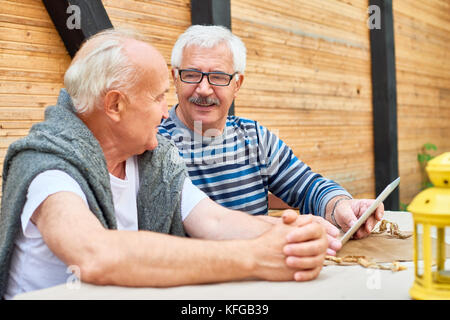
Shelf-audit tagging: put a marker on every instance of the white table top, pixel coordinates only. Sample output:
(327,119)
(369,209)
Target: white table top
(334,282)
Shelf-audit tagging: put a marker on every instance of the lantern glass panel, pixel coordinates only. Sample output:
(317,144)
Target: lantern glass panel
(419,250)
(434,248)
(443,266)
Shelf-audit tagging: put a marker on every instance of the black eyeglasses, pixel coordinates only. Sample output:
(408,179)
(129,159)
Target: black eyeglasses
(214,78)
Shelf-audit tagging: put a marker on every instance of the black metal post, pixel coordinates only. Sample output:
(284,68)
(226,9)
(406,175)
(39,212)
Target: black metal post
(77,20)
(384,98)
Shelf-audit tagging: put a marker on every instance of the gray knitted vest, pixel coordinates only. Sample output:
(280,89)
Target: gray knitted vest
(63,142)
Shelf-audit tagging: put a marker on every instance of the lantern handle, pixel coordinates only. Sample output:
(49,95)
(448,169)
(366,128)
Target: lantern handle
(383,195)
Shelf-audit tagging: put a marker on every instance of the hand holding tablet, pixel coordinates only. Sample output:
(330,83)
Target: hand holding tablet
(383,195)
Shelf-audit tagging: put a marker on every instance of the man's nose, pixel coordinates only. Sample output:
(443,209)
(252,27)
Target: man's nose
(164,108)
(204,88)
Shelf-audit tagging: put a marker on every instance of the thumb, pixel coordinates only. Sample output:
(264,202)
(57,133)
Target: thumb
(345,217)
(298,220)
(289,216)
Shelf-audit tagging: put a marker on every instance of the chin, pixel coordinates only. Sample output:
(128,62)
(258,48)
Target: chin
(152,145)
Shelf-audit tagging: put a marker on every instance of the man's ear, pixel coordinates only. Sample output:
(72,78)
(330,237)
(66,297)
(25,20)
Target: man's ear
(174,74)
(238,83)
(114,104)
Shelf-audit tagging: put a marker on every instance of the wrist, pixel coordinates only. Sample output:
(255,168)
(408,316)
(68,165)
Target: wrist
(332,206)
(252,264)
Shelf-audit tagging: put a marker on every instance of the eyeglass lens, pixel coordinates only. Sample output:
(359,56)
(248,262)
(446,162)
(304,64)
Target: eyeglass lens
(196,76)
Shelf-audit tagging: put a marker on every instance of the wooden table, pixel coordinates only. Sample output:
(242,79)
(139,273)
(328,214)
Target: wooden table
(334,282)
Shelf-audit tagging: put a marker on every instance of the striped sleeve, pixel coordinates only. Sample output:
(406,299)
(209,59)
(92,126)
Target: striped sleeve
(291,179)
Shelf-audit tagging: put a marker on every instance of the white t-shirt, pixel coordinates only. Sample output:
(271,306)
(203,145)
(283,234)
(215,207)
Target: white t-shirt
(33,265)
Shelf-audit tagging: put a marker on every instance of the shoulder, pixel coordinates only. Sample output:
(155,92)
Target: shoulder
(164,154)
(164,144)
(162,165)
(250,127)
(166,126)
(243,124)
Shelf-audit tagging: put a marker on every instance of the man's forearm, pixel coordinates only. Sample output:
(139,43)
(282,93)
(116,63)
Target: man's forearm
(137,258)
(208,220)
(152,259)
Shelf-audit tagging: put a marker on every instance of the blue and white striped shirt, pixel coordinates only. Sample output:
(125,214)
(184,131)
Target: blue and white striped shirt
(238,168)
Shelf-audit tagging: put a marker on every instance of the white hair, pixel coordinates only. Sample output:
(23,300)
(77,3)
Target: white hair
(209,37)
(103,67)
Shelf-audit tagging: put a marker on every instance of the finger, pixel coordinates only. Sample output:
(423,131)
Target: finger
(330,252)
(379,213)
(307,275)
(304,263)
(306,249)
(346,218)
(334,243)
(363,231)
(370,223)
(330,228)
(300,220)
(363,205)
(289,216)
(304,233)
(348,222)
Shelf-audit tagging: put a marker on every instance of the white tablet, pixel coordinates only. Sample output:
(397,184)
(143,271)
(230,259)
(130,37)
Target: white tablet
(383,195)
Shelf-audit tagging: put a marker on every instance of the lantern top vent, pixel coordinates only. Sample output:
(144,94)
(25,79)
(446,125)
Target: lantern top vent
(431,201)
(438,170)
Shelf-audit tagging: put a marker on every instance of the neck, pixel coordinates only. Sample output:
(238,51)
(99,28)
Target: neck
(115,156)
(117,169)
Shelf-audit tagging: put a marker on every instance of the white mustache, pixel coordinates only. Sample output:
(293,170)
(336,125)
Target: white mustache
(205,101)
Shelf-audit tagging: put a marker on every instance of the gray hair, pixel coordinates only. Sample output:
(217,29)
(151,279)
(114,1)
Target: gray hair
(209,37)
(103,67)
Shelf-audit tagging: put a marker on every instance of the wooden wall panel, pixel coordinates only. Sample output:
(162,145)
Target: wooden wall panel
(422,45)
(308,79)
(32,65)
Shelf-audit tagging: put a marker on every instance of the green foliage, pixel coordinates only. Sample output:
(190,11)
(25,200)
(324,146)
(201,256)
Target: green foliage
(403,206)
(423,159)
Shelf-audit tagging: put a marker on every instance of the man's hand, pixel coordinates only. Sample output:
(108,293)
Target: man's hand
(332,232)
(347,213)
(287,252)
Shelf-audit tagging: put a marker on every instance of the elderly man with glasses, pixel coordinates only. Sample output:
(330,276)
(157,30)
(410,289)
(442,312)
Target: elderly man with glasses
(237,161)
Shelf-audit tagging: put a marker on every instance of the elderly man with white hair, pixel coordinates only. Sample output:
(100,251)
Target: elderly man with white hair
(237,161)
(94,190)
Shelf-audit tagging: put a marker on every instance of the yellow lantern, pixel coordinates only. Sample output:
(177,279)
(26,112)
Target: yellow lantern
(431,214)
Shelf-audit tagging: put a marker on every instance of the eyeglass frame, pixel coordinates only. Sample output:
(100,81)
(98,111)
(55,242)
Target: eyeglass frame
(207,76)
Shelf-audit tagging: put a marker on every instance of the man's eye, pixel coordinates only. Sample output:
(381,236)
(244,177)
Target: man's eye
(190,75)
(220,77)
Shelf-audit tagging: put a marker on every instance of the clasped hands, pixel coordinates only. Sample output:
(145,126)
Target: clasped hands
(314,237)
